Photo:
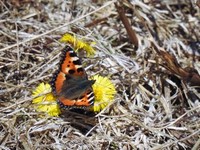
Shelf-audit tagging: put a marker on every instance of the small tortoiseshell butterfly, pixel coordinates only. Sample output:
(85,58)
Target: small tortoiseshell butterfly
(70,83)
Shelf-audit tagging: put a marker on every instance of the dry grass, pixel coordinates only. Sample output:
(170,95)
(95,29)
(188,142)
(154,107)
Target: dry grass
(158,100)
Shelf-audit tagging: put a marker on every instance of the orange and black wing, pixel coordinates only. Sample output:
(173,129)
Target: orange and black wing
(70,83)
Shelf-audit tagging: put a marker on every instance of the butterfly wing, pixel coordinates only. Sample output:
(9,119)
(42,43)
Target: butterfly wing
(70,84)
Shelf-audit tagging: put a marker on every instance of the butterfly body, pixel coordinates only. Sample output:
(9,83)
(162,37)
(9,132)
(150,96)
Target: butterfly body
(70,83)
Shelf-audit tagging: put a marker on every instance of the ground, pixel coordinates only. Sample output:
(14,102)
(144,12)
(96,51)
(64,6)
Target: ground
(150,50)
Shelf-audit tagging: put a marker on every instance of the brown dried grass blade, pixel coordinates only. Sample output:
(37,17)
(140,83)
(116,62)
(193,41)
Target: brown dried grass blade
(187,74)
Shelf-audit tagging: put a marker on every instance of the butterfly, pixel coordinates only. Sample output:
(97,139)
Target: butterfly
(70,83)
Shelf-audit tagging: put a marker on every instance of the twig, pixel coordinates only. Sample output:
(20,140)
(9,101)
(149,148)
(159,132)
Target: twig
(131,33)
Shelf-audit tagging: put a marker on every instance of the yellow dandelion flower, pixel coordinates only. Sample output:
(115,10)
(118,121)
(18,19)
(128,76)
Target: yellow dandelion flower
(104,92)
(78,44)
(44,100)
